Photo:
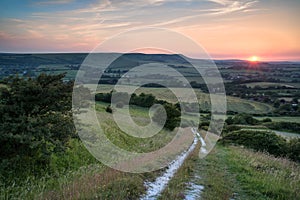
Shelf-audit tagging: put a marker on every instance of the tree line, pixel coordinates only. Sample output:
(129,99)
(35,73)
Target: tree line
(173,111)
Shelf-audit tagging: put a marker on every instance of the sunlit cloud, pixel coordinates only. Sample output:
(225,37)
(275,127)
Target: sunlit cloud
(232,6)
(213,23)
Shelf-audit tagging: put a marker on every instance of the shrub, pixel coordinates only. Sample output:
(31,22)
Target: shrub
(294,149)
(231,128)
(284,126)
(108,109)
(258,140)
(266,120)
(173,116)
(35,121)
(244,119)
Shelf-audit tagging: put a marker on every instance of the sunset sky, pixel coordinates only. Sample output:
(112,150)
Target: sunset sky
(226,29)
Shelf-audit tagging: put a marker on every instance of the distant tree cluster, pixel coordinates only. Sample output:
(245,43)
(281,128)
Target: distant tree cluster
(244,119)
(144,100)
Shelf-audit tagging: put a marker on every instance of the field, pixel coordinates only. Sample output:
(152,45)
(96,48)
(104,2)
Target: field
(282,119)
(233,103)
(268,84)
(56,69)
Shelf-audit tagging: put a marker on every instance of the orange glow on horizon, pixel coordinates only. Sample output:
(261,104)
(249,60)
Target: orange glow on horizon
(254,59)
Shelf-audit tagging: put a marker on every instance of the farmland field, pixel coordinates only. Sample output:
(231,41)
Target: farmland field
(233,103)
(282,119)
(268,84)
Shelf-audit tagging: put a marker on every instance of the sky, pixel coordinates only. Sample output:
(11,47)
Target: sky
(226,29)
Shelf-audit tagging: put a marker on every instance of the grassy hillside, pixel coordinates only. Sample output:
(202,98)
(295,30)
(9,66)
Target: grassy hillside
(76,174)
(233,103)
(233,172)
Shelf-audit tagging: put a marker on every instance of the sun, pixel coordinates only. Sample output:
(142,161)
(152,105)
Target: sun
(253,59)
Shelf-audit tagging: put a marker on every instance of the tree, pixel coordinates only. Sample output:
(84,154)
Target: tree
(35,119)
(173,116)
(108,109)
(277,103)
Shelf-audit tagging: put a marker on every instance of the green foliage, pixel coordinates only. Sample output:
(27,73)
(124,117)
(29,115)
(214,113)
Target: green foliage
(244,119)
(267,120)
(104,97)
(258,140)
(143,100)
(204,124)
(35,121)
(231,128)
(294,149)
(108,109)
(74,157)
(284,126)
(173,116)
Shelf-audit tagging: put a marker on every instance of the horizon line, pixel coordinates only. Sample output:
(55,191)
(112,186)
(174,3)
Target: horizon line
(213,58)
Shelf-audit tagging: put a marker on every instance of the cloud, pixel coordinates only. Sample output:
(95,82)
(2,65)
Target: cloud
(52,2)
(93,23)
(222,2)
(228,6)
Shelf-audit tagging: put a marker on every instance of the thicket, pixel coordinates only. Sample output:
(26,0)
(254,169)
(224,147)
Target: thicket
(284,126)
(35,123)
(264,141)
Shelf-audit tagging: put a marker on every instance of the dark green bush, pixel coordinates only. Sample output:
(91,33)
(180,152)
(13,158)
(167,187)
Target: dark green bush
(258,140)
(35,121)
(284,126)
(173,116)
(108,109)
(244,119)
(266,120)
(294,149)
(231,128)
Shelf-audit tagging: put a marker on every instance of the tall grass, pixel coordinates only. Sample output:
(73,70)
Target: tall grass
(263,176)
(231,172)
(76,174)
(63,168)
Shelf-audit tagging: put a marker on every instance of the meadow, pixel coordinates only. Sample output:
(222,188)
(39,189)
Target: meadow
(233,104)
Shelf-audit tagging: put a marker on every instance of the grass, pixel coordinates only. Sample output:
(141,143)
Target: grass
(281,119)
(263,176)
(268,84)
(76,174)
(56,69)
(238,173)
(217,180)
(64,168)
(233,103)
(177,185)
(128,142)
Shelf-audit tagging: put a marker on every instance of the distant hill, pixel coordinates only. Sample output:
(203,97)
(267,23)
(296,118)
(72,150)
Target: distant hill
(127,58)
